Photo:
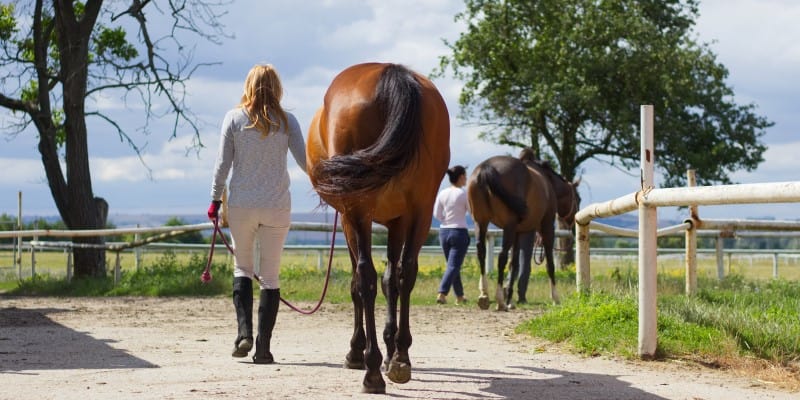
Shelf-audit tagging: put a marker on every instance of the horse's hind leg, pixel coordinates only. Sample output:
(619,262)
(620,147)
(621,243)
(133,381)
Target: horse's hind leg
(513,272)
(390,285)
(358,342)
(399,370)
(509,237)
(367,285)
(480,245)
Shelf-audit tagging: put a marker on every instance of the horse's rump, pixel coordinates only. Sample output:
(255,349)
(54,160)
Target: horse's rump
(397,97)
(488,177)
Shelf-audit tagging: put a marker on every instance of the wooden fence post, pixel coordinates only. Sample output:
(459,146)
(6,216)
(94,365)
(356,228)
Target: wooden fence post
(648,226)
(691,241)
(720,257)
(583,269)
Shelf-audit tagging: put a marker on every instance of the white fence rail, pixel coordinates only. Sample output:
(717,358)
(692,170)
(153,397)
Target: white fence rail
(647,199)
(35,245)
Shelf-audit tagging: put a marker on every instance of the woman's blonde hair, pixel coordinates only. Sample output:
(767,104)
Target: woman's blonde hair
(262,99)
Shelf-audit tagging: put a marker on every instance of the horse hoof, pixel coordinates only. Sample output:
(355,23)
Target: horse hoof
(501,307)
(483,303)
(511,306)
(399,372)
(353,364)
(373,390)
(373,385)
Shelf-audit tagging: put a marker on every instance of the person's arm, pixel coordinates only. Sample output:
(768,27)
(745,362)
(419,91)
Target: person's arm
(224,159)
(438,209)
(296,144)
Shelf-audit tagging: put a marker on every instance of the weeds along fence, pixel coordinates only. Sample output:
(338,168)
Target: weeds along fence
(40,255)
(647,199)
(11,256)
(139,245)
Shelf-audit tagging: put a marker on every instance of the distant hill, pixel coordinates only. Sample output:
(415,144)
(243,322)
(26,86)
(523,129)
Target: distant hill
(630,220)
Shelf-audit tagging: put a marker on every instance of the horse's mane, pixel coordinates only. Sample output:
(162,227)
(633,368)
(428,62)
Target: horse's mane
(527,156)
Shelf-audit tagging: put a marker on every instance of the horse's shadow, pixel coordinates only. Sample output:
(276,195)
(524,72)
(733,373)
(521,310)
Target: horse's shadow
(30,340)
(528,383)
(546,383)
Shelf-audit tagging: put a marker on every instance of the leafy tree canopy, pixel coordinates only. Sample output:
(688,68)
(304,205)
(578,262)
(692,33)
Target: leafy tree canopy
(568,77)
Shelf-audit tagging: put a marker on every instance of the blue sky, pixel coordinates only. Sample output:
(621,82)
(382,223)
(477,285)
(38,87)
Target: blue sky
(310,41)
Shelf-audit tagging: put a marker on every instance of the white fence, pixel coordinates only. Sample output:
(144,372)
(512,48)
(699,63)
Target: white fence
(35,245)
(646,200)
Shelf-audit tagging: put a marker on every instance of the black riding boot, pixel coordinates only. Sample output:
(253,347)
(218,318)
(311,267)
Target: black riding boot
(267,313)
(243,302)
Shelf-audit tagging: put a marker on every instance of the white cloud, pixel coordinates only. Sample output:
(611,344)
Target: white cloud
(311,42)
(17,171)
(780,164)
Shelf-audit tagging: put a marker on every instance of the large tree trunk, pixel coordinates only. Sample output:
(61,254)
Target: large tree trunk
(74,196)
(568,163)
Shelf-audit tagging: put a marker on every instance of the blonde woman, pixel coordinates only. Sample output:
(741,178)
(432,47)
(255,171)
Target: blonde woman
(256,137)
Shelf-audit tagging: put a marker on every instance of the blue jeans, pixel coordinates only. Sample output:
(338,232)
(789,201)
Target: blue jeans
(455,242)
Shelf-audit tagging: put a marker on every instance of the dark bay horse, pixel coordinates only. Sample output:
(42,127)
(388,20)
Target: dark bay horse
(377,151)
(521,196)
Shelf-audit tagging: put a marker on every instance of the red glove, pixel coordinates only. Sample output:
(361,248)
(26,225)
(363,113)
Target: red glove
(213,209)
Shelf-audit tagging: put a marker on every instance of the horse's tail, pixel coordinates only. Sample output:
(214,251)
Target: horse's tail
(488,177)
(399,98)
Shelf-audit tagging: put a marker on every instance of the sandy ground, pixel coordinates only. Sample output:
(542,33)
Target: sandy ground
(179,348)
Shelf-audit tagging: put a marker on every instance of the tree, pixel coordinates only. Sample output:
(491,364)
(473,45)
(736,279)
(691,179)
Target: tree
(567,78)
(188,237)
(61,54)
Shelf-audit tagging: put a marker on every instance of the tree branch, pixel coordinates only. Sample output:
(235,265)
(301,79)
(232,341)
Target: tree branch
(16,104)
(126,138)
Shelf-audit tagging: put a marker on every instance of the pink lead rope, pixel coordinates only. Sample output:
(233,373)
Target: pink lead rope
(206,276)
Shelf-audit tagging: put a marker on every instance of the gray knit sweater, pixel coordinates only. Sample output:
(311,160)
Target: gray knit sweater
(257,164)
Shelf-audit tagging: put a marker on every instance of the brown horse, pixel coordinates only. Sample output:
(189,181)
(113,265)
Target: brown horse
(521,196)
(377,151)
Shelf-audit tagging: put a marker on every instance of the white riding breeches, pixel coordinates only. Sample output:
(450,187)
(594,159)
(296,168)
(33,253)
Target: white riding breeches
(268,228)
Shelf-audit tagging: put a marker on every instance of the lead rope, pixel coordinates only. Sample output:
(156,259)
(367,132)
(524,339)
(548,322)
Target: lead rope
(206,275)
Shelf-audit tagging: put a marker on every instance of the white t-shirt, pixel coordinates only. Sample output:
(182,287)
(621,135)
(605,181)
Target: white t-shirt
(451,208)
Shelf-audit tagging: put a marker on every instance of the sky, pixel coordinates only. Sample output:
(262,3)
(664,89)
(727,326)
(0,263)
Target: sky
(309,42)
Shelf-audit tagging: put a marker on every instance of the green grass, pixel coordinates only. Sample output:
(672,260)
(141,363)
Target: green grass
(729,318)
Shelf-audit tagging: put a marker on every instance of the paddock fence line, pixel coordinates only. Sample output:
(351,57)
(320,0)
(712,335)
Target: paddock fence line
(647,199)
(139,246)
(164,232)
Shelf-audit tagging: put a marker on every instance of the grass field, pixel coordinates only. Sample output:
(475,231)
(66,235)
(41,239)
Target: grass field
(750,267)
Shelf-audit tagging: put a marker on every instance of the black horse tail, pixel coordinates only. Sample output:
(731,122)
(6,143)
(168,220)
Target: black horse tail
(399,98)
(488,177)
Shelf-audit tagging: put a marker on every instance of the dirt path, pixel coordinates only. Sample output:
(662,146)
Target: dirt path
(145,348)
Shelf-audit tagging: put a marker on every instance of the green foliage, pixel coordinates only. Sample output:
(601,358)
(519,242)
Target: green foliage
(599,323)
(567,78)
(167,277)
(8,24)
(164,277)
(761,317)
(188,237)
(112,42)
(733,317)
(52,286)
